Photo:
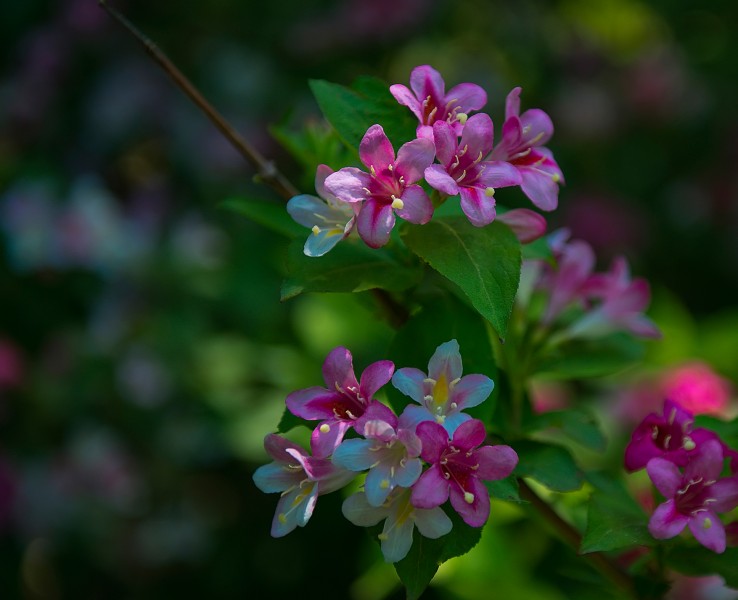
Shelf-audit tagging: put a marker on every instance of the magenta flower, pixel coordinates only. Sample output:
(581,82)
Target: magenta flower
(389,187)
(464,172)
(300,478)
(400,518)
(443,393)
(669,436)
(527,225)
(694,498)
(329,219)
(522,142)
(458,467)
(390,452)
(698,388)
(622,302)
(430,104)
(342,403)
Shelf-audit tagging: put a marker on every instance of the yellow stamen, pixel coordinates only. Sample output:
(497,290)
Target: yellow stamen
(556,177)
(316,229)
(462,117)
(384,484)
(397,203)
(489,192)
(688,444)
(325,428)
(468,497)
(707,523)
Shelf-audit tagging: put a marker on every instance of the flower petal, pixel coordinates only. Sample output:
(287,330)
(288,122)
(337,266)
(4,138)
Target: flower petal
(666,522)
(707,462)
(476,513)
(498,174)
(354,455)
(426,81)
(527,225)
(446,360)
(537,127)
(495,462)
(439,179)
(398,532)
(725,492)
(338,370)
(348,184)
(323,242)
(276,477)
(445,141)
(417,207)
(540,188)
(472,390)
(294,509)
(357,510)
(375,149)
(375,222)
(512,103)
(405,97)
(430,490)
(321,173)
(432,522)
(378,484)
(453,420)
(413,415)
(276,446)
(665,476)
(435,440)
(413,158)
(469,435)
(478,136)
(469,96)
(409,381)
(323,443)
(709,531)
(406,475)
(477,206)
(375,376)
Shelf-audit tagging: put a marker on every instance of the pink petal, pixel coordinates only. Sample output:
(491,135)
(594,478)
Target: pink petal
(725,492)
(375,222)
(375,376)
(375,149)
(537,126)
(338,369)
(313,403)
(471,391)
(468,96)
(476,513)
(495,462)
(707,462)
(426,81)
(439,179)
(321,173)
(276,446)
(417,205)
(435,440)
(446,360)
(540,188)
(527,225)
(445,141)
(477,206)
(430,490)
(323,443)
(665,475)
(478,136)
(405,97)
(469,434)
(349,184)
(666,522)
(709,531)
(498,174)
(413,158)
(512,103)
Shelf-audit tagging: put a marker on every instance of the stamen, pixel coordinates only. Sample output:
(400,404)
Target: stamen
(432,114)
(489,192)
(672,416)
(325,428)
(479,158)
(397,203)
(440,419)
(384,484)
(454,382)
(475,467)
(456,162)
(447,475)
(460,177)
(429,380)
(654,432)
(556,177)
(350,415)
(453,406)
(688,444)
(389,168)
(707,523)
(428,398)
(462,117)
(316,230)
(426,102)
(464,150)
(468,497)
(667,439)
(402,180)
(282,518)
(374,173)
(367,190)
(383,536)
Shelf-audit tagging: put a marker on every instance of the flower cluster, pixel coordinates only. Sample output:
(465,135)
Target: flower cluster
(414,463)
(686,464)
(454,154)
(609,301)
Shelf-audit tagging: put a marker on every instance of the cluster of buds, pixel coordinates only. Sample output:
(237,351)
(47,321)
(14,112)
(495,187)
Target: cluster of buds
(454,154)
(413,464)
(687,466)
(607,302)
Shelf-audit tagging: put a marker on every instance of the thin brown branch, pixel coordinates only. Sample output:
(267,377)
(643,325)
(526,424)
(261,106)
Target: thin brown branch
(572,537)
(266,170)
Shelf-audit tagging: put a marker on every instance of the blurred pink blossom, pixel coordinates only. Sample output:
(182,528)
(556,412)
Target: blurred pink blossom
(11,364)
(697,388)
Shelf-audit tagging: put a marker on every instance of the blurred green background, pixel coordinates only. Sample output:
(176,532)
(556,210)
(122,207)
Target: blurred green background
(144,352)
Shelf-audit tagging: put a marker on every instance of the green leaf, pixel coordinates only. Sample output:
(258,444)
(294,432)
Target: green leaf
(576,424)
(483,261)
(698,561)
(443,319)
(316,142)
(613,524)
(505,489)
(582,359)
(417,569)
(290,421)
(727,430)
(349,267)
(272,215)
(549,464)
(353,111)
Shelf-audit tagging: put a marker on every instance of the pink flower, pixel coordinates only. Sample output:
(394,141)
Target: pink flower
(299,478)
(343,402)
(527,225)
(11,365)
(430,104)
(462,170)
(458,467)
(694,498)
(389,187)
(697,388)
(522,142)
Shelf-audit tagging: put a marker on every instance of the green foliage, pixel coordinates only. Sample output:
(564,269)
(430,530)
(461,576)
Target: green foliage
(443,319)
(699,561)
(614,521)
(727,430)
(579,359)
(353,111)
(289,422)
(349,267)
(505,489)
(576,424)
(314,144)
(549,464)
(271,215)
(484,262)
(420,565)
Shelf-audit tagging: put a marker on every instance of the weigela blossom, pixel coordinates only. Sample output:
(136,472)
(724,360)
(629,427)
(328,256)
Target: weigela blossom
(329,219)
(698,388)
(443,393)
(527,225)
(431,104)
(343,402)
(400,518)
(523,137)
(300,478)
(390,452)
(458,467)
(693,498)
(463,170)
(389,187)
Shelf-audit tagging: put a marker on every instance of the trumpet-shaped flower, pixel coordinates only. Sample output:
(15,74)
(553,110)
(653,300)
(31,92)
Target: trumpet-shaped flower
(430,103)
(463,171)
(329,219)
(693,498)
(523,137)
(300,478)
(443,393)
(390,186)
(527,225)
(458,467)
(400,518)
(390,452)
(343,402)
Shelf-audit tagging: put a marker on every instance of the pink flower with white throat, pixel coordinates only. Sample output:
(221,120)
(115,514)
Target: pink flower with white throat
(389,188)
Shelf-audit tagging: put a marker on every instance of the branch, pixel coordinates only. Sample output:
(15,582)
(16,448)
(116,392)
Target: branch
(265,169)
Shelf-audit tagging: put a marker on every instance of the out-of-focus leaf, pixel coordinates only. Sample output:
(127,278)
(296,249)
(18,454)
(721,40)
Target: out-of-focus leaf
(289,422)
(349,267)
(612,524)
(727,430)
(505,489)
(549,464)
(577,425)
(483,261)
(272,215)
